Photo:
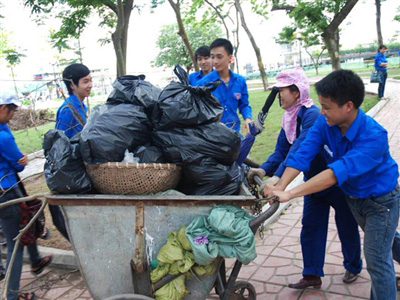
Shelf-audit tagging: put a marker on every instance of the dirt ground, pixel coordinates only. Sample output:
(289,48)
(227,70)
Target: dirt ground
(35,185)
(26,118)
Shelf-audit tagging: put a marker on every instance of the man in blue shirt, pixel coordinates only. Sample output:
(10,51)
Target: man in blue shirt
(71,117)
(232,92)
(12,161)
(359,162)
(203,58)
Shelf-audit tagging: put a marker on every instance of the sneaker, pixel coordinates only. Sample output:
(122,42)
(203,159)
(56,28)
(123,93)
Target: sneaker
(349,277)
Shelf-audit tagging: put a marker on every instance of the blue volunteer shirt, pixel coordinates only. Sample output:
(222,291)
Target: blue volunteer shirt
(232,97)
(276,163)
(379,59)
(194,77)
(66,121)
(9,157)
(360,159)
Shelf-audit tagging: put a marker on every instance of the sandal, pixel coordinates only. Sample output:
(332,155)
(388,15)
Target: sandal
(43,263)
(398,283)
(27,296)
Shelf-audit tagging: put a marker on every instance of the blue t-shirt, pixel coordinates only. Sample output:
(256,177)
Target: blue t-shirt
(380,58)
(232,97)
(9,157)
(194,77)
(66,121)
(360,159)
(276,163)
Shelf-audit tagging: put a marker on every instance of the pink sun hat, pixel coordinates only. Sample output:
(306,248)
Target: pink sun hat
(290,77)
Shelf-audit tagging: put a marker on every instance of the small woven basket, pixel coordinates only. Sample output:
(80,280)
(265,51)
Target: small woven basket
(133,178)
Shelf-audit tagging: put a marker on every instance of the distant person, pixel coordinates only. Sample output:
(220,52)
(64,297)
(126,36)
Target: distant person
(203,58)
(13,161)
(299,117)
(381,65)
(357,150)
(71,117)
(232,92)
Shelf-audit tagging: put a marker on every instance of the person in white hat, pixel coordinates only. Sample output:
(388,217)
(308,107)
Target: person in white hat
(11,162)
(300,115)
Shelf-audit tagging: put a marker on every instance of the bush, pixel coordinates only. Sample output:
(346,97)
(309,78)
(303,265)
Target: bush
(26,118)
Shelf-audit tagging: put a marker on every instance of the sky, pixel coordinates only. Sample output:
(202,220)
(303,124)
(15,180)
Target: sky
(358,28)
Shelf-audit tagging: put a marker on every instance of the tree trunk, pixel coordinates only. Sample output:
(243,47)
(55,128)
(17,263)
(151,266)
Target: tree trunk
(330,34)
(254,44)
(120,35)
(378,22)
(331,40)
(15,84)
(182,32)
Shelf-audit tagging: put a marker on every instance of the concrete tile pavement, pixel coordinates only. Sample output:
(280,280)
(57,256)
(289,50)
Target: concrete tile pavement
(279,259)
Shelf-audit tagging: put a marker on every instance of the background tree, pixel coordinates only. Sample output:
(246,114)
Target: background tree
(176,6)
(322,17)
(115,15)
(378,21)
(309,39)
(172,49)
(254,44)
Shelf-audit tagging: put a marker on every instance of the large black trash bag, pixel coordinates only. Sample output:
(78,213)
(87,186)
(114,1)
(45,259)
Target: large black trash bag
(182,105)
(134,90)
(119,127)
(190,145)
(211,178)
(149,154)
(64,169)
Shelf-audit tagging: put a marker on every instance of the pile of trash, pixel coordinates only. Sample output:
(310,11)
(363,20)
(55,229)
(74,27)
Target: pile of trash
(144,124)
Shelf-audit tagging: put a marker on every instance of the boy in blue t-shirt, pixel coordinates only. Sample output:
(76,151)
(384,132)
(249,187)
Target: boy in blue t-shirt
(203,58)
(232,92)
(356,149)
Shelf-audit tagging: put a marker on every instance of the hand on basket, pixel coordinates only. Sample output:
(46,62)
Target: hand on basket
(255,171)
(270,181)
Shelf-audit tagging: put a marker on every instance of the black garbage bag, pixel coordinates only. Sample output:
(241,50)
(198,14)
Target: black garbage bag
(64,169)
(134,90)
(182,105)
(211,178)
(149,154)
(190,145)
(117,128)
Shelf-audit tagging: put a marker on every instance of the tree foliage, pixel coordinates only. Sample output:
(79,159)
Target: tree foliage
(74,14)
(322,18)
(173,50)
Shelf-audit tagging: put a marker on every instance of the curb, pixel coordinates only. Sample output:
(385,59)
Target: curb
(63,259)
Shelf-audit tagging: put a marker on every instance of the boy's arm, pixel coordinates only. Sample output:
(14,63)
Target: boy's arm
(10,152)
(318,183)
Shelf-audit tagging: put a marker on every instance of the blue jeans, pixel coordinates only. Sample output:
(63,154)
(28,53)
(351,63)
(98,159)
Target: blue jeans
(10,217)
(378,217)
(315,229)
(381,87)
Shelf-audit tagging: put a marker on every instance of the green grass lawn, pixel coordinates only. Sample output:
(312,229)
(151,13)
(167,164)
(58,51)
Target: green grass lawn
(30,140)
(265,142)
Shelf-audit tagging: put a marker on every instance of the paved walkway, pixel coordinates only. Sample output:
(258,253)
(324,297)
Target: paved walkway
(279,259)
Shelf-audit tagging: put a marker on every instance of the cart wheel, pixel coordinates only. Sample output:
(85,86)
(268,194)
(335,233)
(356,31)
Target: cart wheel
(243,290)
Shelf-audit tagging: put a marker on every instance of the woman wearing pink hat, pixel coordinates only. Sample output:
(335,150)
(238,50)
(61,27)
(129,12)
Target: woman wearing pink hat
(300,114)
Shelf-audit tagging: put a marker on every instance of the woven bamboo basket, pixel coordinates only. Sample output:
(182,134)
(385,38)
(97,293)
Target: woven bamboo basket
(133,178)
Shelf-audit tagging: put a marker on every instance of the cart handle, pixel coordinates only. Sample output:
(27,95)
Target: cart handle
(255,223)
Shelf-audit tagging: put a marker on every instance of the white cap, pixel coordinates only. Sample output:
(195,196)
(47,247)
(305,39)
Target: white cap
(7,98)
